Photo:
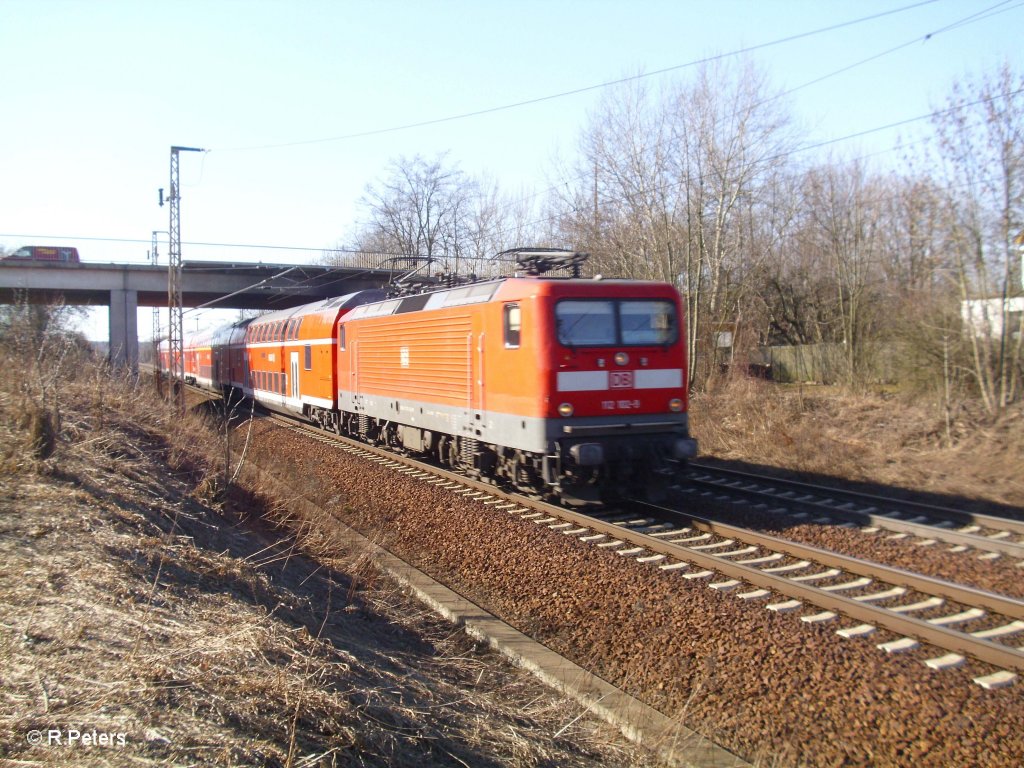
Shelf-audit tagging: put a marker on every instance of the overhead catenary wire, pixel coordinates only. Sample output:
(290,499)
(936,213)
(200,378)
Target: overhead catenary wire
(972,18)
(998,8)
(781,155)
(993,10)
(805,148)
(584,89)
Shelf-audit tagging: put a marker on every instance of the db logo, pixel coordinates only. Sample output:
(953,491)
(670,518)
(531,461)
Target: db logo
(620,379)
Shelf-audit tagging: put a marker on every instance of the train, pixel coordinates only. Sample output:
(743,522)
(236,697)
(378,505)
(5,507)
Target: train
(63,254)
(559,386)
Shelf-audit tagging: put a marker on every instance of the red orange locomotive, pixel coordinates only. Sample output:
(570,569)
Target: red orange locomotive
(568,387)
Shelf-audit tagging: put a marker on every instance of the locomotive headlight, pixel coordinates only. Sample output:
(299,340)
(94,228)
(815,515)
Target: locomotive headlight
(675,405)
(565,410)
(621,358)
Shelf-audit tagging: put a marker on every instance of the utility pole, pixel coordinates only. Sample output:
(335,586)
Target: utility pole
(176,335)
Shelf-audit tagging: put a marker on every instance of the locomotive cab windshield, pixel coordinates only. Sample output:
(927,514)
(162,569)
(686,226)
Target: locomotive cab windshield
(619,322)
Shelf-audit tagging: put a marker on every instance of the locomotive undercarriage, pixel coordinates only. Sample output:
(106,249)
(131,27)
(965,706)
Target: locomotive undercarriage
(629,468)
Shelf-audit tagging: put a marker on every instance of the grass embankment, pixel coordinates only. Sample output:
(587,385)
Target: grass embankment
(147,619)
(866,439)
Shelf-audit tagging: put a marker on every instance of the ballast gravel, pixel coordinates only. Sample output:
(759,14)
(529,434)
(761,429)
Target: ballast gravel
(769,687)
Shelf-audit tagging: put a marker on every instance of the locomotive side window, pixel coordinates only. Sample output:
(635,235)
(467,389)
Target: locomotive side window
(585,323)
(513,326)
(341,337)
(308,350)
(647,322)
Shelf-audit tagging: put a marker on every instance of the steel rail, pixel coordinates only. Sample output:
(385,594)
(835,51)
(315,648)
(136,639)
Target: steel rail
(923,530)
(1001,604)
(1004,657)
(947,513)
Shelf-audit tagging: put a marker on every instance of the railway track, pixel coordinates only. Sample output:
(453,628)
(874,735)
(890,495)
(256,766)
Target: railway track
(989,535)
(860,597)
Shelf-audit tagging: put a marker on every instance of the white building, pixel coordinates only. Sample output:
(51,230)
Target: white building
(984,317)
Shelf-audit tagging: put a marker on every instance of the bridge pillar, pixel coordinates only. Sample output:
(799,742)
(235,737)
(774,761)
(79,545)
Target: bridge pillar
(124,329)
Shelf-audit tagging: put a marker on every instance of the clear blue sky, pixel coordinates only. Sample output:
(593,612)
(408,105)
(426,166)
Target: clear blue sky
(94,93)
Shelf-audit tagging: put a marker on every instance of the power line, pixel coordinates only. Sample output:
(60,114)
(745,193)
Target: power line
(588,88)
(989,12)
(970,19)
(777,156)
(979,16)
(807,147)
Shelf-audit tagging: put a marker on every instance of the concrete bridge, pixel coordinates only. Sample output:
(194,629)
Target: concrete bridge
(126,287)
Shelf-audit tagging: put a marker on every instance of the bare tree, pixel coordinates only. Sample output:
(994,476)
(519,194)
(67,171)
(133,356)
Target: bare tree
(684,186)
(417,208)
(623,202)
(430,208)
(980,151)
(846,230)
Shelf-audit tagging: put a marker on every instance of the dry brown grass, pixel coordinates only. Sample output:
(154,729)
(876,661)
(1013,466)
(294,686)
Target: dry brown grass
(872,438)
(136,601)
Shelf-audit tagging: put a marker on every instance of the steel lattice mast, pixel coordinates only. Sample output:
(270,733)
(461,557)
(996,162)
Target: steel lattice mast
(176,333)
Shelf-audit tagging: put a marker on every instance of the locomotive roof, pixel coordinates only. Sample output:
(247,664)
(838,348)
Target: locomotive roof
(509,288)
(374,303)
